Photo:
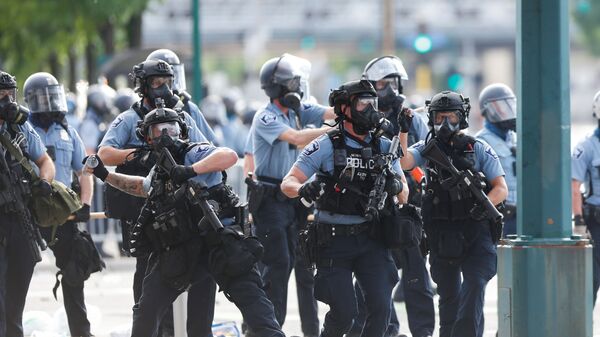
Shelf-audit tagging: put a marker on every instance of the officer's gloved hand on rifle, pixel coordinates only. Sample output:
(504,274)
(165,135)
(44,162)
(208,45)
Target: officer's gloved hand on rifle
(82,214)
(405,118)
(478,213)
(43,188)
(181,173)
(393,185)
(311,191)
(97,168)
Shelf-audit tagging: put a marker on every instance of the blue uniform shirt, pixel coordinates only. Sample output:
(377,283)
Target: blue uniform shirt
(585,164)
(201,123)
(35,147)
(419,127)
(273,158)
(90,127)
(249,141)
(502,147)
(68,149)
(318,157)
(486,159)
(121,133)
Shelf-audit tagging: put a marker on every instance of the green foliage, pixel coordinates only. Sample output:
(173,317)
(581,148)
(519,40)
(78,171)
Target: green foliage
(587,16)
(34,29)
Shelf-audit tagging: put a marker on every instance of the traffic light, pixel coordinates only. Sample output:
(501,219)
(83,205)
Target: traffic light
(455,81)
(422,42)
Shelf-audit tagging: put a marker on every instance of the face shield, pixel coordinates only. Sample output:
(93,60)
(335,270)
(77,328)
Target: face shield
(171,129)
(384,67)
(157,81)
(452,117)
(48,99)
(361,104)
(501,110)
(290,71)
(179,77)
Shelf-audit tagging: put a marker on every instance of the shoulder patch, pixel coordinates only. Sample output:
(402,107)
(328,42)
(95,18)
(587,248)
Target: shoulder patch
(268,118)
(311,148)
(578,152)
(490,152)
(203,147)
(117,121)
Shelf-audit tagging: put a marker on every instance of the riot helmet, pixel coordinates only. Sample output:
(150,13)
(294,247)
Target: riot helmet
(125,99)
(386,73)
(172,59)
(448,113)
(8,87)
(361,97)
(10,111)
(46,99)
(100,99)
(162,127)
(281,78)
(153,79)
(498,104)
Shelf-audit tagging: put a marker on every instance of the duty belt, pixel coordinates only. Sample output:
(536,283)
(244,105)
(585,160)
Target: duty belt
(331,230)
(270,190)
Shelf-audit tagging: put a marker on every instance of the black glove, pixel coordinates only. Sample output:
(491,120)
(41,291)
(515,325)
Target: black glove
(579,221)
(180,173)
(14,113)
(43,188)
(139,245)
(82,214)
(405,120)
(99,171)
(311,191)
(478,212)
(393,185)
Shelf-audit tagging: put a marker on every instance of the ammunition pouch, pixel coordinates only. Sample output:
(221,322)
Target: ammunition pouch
(170,228)
(177,265)
(401,227)
(231,254)
(55,209)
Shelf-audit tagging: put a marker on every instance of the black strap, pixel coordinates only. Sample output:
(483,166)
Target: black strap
(57,284)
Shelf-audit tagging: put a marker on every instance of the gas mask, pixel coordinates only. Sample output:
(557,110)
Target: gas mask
(164,92)
(45,120)
(12,112)
(446,129)
(389,98)
(510,124)
(168,138)
(364,115)
(292,100)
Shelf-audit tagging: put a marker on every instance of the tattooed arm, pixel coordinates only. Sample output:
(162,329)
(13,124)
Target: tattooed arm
(133,185)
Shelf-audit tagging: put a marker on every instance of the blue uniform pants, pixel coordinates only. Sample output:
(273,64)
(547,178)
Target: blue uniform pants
(16,269)
(418,297)
(510,226)
(375,272)
(276,229)
(244,291)
(461,283)
(593,225)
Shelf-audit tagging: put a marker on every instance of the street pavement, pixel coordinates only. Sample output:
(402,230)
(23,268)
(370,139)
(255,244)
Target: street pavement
(109,299)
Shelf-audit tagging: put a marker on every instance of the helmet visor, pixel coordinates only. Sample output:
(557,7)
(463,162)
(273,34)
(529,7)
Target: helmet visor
(501,110)
(47,99)
(452,116)
(11,93)
(384,82)
(171,128)
(362,103)
(384,67)
(290,70)
(179,77)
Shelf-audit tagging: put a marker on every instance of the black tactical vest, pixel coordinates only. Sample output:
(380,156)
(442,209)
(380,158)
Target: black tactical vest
(354,174)
(14,180)
(440,204)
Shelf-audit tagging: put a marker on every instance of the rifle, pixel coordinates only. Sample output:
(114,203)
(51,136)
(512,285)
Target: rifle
(378,195)
(196,192)
(462,180)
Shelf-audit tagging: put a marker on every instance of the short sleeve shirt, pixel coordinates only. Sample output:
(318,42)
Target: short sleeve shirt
(585,164)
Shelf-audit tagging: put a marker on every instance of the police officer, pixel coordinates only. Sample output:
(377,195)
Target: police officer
(67,151)
(99,113)
(185,249)
(585,167)
(122,148)
(343,161)
(19,251)
(387,74)
(278,132)
(498,104)
(179,89)
(463,251)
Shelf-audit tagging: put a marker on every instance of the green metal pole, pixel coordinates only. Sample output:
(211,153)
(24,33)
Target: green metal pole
(544,273)
(197,60)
